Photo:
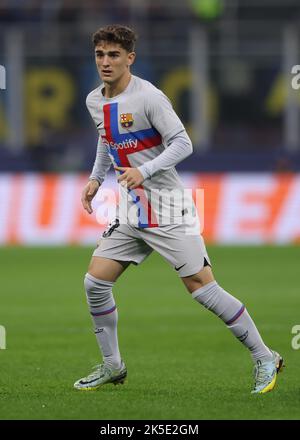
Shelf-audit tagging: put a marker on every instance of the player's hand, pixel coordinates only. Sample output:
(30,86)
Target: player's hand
(88,193)
(130,177)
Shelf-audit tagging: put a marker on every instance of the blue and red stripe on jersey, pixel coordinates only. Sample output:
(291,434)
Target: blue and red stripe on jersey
(147,138)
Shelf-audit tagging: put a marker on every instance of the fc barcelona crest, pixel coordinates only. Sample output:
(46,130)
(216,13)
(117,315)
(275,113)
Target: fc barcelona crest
(126,120)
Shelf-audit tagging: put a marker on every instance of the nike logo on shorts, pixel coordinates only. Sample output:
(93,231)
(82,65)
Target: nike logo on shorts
(178,268)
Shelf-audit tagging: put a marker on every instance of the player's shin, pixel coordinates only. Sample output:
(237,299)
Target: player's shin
(105,317)
(235,316)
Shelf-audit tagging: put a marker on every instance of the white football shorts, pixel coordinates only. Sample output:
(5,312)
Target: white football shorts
(185,251)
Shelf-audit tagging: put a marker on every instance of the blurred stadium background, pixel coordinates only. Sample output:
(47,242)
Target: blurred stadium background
(226,66)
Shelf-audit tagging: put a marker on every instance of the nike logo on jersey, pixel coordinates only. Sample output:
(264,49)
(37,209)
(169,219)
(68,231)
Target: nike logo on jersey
(178,268)
(100,124)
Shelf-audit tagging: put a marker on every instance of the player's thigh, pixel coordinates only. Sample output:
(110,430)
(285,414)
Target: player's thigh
(182,248)
(118,247)
(106,269)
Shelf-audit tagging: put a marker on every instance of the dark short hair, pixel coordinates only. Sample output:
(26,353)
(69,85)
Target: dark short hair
(116,33)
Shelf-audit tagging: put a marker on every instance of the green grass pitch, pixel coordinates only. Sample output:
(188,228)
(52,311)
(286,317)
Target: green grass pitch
(182,361)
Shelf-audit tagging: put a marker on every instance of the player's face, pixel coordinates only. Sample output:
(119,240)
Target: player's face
(112,61)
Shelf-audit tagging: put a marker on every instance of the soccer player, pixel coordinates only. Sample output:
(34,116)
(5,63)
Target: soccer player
(141,135)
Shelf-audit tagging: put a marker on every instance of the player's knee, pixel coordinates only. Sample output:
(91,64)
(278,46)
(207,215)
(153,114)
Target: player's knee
(199,279)
(221,303)
(98,292)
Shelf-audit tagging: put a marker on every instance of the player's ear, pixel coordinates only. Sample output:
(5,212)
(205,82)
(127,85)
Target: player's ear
(131,58)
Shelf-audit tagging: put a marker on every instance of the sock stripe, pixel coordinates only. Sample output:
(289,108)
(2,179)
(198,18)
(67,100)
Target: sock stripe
(236,316)
(106,312)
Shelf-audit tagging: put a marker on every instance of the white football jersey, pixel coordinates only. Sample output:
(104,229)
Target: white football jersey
(135,127)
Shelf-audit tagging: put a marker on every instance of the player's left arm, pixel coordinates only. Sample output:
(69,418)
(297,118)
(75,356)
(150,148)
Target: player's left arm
(179,146)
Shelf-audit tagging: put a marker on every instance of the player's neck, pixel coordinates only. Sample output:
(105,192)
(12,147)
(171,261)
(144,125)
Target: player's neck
(114,89)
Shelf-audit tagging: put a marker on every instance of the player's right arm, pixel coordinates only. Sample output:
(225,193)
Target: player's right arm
(101,166)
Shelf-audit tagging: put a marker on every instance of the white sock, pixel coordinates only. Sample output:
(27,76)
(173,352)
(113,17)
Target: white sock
(235,316)
(105,317)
